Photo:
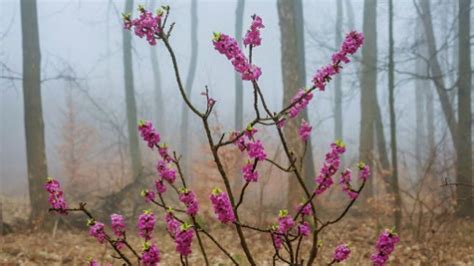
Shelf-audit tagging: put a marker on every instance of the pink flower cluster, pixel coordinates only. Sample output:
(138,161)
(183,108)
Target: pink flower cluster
(285,222)
(222,206)
(172,225)
(384,247)
(249,174)
(146,224)
(118,224)
(305,130)
(329,169)
(364,171)
(150,255)
(149,133)
(341,253)
(299,101)
(304,229)
(252,37)
(189,199)
(163,151)
(96,229)
(351,44)
(227,46)
(165,172)
(305,209)
(160,186)
(149,195)
(184,238)
(56,197)
(345,181)
(147,25)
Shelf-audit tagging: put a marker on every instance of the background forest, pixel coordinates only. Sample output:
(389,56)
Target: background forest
(74,84)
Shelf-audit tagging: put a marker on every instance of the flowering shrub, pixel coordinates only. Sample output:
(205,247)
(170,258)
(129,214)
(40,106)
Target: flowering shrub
(181,221)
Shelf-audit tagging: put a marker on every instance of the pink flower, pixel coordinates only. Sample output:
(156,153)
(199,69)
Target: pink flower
(96,229)
(341,252)
(148,133)
(304,229)
(330,166)
(118,224)
(305,210)
(189,199)
(249,174)
(160,186)
(149,195)
(256,151)
(146,25)
(146,224)
(384,247)
(299,101)
(184,238)
(285,222)
(222,206)
(305,130)
(165,172)
(163,151)
(239,142)
(150,255)
(227,46)
(250,132)
(252,37)
(56,198)
(364,171)
(351,44)
(345,181)
(276,239)
(172,225)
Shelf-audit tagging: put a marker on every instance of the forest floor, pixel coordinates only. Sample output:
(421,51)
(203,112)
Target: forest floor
(449,244)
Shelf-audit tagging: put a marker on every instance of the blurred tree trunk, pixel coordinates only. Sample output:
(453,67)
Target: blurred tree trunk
(421,89)
(33,112)
(368,86)
(292,81)
(186,144)
(435,68)
(239,89)
(393,126)
(130,102)
(308,165)
(338,129)
(350,15)
(464,133)
(159,110)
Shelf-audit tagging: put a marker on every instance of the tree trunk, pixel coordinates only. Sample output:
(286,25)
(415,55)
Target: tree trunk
(159,110)
(435,68)
(32,108)
(308,164)
(292,81)
(393,126)
(338,129)
(239,89)
(130,102)
(186,144)
(368,86)
(464,134)
(350,14)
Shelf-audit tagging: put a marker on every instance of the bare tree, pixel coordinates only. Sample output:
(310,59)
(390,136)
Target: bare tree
(33,112)
(130,102)
(368,87)
(393,126)
(338,128)
(464,133)
(185,148)
(157,87)
(292,80)
(308,164)
(239,90)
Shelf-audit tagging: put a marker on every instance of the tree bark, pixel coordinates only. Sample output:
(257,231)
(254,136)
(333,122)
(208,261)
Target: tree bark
(186,144)
(33,113)
(393,126)
(292,81)
(239,89)
(368,88)
(159,110)
(130,102)
(464,134)
(338,129)
(308,164)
